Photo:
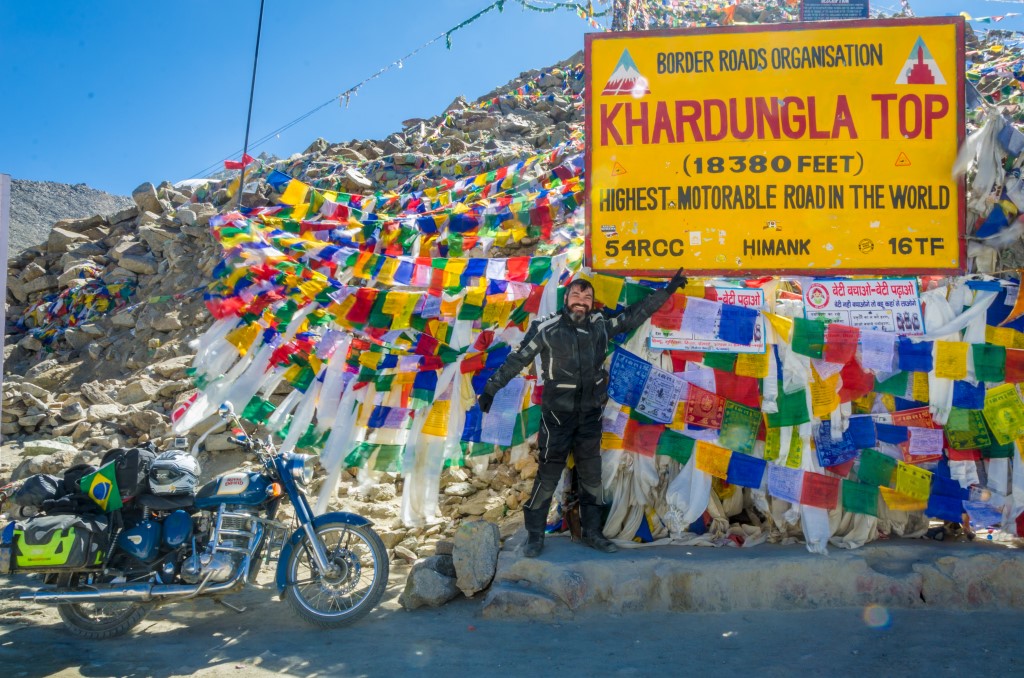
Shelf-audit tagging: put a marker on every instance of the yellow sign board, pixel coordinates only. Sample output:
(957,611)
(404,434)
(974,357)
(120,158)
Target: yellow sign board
(777,149)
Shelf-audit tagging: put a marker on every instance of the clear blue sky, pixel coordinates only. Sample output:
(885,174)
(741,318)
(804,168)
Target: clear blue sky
(113,93)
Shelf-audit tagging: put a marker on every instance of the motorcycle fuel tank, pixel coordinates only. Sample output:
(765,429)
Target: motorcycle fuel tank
(247,489)
(141,541)
(177,529)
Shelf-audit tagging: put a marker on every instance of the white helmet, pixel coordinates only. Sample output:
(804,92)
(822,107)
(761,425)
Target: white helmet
(174,472)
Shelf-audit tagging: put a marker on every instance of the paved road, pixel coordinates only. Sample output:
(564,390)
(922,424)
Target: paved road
(199,638)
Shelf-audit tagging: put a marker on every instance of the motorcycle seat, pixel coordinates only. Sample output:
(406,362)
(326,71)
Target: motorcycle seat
(168,502)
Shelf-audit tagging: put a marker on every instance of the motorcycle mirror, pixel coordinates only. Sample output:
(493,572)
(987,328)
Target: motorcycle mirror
(226,410)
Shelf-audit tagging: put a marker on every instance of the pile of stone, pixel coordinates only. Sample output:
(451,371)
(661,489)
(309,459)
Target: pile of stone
(112,379)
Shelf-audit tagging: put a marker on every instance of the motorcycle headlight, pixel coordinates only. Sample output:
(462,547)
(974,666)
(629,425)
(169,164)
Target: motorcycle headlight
(301,466)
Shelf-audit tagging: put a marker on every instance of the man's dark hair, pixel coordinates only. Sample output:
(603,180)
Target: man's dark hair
(581,284)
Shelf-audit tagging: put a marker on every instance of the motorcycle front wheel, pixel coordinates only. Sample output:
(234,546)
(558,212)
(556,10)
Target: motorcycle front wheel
(338,598)
(98,621)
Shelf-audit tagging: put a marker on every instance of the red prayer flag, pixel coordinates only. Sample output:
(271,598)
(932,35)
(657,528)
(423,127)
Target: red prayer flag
(704,408)
(532,304)
(840,343)
(642,438)
(517,268)
(856,382)
(234,164)
(670,315)
(680,358)
(819,490)
(1014,366)
(739,389)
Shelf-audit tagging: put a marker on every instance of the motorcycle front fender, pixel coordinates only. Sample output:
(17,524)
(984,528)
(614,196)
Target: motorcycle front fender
(293,541)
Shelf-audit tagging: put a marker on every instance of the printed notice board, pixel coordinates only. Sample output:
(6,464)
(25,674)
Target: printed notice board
(777,149)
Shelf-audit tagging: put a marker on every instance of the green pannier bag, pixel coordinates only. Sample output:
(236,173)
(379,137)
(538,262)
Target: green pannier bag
(59,542)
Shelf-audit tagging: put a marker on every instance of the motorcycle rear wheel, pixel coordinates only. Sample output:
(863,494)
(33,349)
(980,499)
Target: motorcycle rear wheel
(98,621)
(349,595)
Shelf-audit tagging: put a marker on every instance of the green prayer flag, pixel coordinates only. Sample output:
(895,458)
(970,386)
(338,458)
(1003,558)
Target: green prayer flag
(772,444)
(997,451)
(389,458)
(739,427)
(532,416)
(721,361)
(895,385)
(540,269)
(311,439)
(966,430)
(675,445)
(358,457)
(258,410)
(989,362)
(304,378)
(860,498)
(876,468)
(101,486)
(470,312)
(792,409)
(635,293)
(808,337)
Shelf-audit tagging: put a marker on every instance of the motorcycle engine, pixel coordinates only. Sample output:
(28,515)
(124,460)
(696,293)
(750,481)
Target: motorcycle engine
(225,548)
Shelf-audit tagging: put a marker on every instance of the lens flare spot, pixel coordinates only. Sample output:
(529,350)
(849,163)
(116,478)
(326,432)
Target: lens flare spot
(877,617)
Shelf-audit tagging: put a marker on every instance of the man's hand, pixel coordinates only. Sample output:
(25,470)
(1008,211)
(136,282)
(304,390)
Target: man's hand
(678,281)
(484,400)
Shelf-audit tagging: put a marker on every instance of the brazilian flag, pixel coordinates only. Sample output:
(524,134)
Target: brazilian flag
(101,487)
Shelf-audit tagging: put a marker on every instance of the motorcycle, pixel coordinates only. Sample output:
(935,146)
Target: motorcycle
(332,569)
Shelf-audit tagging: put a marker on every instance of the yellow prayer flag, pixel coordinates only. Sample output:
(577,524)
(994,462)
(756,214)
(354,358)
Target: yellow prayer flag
(951,359)
(795,456)
(900,502)
(610,441)
(919,387)
(475,296)
(387,271)
(712,459)
(1004,413)
(608,289)
(824,395)
(450,305)
(912,481)
(1001,336)
(437,420)
(294,193)
(359,270)
(370,360)
(403,318)
(453,270)
(752,365)
(393,302)
(242,337)
(783,326)
(299,212)
(679,418)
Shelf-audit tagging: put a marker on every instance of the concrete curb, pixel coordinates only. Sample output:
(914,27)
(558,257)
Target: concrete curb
(909,573)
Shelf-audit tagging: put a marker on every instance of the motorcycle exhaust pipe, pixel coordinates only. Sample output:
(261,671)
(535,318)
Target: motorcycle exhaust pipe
(136,593)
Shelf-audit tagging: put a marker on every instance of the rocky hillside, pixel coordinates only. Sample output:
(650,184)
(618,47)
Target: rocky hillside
(103,313)
(37,205)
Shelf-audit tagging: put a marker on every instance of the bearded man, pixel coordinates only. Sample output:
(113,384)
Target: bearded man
(572,346)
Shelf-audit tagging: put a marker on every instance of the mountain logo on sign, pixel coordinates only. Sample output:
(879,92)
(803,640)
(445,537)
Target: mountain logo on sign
(626,78)
(920,68)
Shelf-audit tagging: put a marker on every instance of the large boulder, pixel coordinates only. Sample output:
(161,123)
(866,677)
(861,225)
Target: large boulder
(431,583)
(476,555)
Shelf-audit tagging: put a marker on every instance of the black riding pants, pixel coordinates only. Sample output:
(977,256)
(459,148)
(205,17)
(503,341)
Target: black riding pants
(560,434)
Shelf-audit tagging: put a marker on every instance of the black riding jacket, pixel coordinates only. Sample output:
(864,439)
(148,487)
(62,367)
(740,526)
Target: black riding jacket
(572,356)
